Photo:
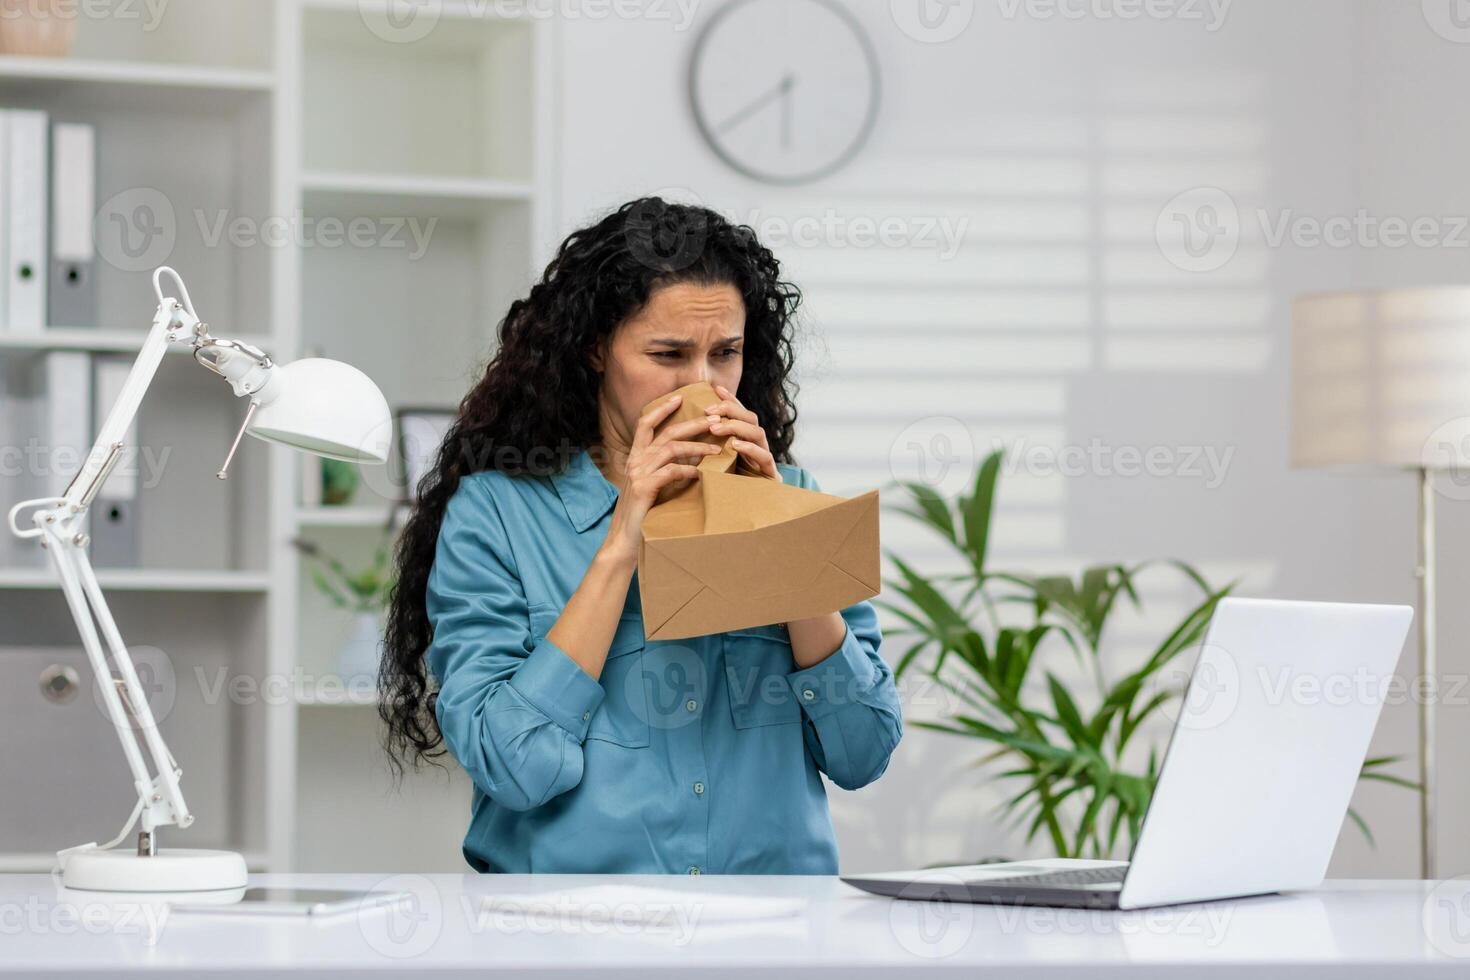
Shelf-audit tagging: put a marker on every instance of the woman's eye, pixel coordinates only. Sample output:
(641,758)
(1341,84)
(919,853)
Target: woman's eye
(665,353)
(729,352)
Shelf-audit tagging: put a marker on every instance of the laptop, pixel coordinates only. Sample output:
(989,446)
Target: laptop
(1255,783)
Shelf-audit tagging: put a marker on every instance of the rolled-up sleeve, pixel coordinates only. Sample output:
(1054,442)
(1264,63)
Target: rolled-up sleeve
(514,711)
(853,719)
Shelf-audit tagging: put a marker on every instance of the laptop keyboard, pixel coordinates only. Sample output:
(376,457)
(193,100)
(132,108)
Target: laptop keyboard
(1078,876)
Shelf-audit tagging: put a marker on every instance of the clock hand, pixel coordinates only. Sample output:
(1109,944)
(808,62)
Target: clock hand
(780,89)
(787,84)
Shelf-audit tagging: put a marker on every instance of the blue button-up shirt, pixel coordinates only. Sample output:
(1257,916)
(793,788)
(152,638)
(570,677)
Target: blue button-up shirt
(693,756)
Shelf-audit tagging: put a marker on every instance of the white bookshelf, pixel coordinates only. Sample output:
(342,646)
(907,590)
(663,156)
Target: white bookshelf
(263,108)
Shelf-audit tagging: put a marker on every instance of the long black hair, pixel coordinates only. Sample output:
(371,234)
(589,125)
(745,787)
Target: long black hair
(536,404)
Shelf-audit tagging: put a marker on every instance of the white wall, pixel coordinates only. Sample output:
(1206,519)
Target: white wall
(1060,320)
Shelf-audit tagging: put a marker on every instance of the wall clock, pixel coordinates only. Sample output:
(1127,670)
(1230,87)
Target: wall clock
(784,91)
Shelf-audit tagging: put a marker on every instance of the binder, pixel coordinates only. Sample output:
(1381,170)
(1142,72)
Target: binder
(28,139)
(68,418)
(73,290)
(114,514)
(4,220)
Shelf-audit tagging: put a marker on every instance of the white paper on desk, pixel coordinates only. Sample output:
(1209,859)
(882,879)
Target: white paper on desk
(641,905)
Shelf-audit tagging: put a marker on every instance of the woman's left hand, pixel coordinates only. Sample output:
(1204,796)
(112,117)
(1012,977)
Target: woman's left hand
(734,419)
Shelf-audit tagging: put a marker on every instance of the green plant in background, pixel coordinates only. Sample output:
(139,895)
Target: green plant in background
(365,590)
(978,634)
(339,481)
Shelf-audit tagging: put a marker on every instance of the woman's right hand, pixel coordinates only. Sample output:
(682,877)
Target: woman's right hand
(654,462)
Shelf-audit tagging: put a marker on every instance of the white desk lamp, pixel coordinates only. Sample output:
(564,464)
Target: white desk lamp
(317,405)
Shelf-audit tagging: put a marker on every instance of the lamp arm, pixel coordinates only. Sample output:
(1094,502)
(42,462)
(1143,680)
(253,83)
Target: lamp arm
(160,797)
(57,519)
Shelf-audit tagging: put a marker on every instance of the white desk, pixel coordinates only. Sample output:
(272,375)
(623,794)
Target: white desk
(1398,929)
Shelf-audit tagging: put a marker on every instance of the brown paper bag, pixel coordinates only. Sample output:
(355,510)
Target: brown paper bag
(734,549)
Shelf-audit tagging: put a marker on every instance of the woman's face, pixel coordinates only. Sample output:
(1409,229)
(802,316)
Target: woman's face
(683,334)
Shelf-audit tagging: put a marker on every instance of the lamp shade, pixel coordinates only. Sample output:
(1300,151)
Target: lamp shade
(328,408)
(1381,378)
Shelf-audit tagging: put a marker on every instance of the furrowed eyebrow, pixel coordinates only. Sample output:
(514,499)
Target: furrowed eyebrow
(680,343)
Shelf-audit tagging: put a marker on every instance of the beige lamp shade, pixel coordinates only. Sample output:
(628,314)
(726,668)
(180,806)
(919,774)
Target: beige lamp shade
(1381,378)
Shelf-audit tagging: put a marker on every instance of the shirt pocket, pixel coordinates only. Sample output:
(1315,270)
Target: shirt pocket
(757,662)
(622,717)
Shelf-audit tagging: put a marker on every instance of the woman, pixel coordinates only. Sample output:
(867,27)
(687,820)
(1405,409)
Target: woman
(590,749)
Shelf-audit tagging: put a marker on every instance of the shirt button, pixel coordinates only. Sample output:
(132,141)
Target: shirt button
(694,869)
(691,704)
(586,715)
(808,694)
(699,789)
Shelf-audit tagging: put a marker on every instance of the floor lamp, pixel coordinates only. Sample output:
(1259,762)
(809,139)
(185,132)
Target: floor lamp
(1380,381)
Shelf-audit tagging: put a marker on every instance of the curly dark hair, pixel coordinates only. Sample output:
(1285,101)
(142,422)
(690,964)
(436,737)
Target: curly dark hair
(536,405)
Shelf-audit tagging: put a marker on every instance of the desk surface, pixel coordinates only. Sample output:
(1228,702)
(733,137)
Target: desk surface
(1345,929)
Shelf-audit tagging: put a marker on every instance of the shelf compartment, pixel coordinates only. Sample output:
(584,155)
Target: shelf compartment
(457,101)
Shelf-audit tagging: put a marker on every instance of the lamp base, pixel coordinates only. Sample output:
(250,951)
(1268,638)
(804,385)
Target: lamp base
(171,869)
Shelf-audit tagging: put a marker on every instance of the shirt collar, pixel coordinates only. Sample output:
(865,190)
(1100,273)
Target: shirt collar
(584,491)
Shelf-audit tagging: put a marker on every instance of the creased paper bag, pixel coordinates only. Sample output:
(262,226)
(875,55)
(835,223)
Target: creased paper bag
(735,549)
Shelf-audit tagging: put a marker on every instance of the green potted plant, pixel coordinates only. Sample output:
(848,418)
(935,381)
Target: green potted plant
(986,636)
(364,594)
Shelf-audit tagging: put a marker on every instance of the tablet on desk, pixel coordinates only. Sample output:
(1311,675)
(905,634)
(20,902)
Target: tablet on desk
(296,901)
